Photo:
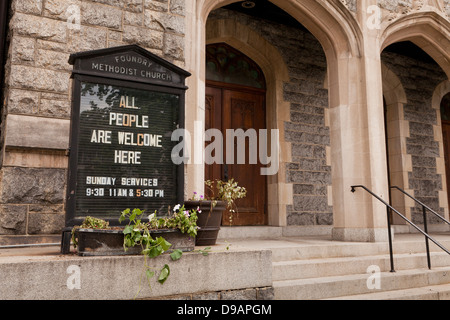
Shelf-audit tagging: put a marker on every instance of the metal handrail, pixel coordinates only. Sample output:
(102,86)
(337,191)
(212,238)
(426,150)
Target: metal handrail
(425,223)
(422,204)
(389,209)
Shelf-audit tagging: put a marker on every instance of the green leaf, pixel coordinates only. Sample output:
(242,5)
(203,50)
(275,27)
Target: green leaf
(165,272)
(155,251)
(138,237)
(176,254)
(128,230)
(163,243)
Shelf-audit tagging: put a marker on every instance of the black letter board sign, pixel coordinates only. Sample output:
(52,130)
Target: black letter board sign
(126,104)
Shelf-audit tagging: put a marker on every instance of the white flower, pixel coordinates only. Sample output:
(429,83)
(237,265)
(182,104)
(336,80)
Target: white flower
(151,217)
(176,208)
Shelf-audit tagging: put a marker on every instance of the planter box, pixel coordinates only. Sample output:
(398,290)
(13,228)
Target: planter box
(92,242)
(209,220)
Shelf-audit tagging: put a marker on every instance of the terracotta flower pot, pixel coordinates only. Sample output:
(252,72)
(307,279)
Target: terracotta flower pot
(209,220)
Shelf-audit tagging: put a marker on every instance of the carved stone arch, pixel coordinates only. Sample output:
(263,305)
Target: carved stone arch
(393,90)
(441,90)
(397,130)
(438,95)
(351,99)
(428,30)
(329,21)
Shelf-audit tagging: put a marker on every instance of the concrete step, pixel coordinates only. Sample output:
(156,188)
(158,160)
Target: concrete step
(297,251)
(437,292)
(357,284)
(303,269)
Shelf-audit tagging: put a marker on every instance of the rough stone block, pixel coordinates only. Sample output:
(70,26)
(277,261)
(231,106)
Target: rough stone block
(26,77)
(23,50)
(101,15)
(32,186)
(28,6)
(39,223)
(156,5)
(174,47)
(246,294)
(23,102)
(13,219)
(265,293)
(143,36)
(53,60)
(87,38)
(39,27)
(55,108)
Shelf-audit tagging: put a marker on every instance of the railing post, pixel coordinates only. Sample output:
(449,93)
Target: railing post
(425,226)
(391,250)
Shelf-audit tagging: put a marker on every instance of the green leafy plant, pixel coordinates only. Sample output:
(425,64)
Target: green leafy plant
(182,219)
(138,232)
(227,191)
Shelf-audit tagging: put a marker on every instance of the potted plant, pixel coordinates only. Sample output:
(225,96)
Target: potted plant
(210,208)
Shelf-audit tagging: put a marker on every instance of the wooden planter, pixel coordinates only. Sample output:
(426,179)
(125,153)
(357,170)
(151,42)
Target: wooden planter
(93,242)
(209,220)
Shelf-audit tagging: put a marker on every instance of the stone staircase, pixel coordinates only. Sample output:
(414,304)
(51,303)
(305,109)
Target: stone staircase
(334,270)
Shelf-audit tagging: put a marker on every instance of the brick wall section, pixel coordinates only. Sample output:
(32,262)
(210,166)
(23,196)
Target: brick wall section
(419,80)
(38,84)
(307,130)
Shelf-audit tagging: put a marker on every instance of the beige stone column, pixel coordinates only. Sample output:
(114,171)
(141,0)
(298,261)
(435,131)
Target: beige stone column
(195,96)
(358,141)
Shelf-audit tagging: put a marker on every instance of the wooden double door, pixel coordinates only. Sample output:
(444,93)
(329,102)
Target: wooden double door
(233,107)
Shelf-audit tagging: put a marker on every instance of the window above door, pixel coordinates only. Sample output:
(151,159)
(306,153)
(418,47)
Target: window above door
(228,65)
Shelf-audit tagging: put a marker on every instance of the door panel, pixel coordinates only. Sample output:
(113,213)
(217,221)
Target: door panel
(213,120)
(239,110)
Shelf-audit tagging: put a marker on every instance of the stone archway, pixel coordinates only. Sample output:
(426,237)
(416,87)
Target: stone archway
(263,53)
(427,30)
(441,91)
(397,131)
(357,146)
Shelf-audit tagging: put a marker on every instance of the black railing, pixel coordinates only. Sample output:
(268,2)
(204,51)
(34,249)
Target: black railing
(390,209)
(424,213)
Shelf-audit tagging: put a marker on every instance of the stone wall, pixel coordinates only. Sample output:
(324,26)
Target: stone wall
(419,80)
(308,132)
(36,117)
(256,294)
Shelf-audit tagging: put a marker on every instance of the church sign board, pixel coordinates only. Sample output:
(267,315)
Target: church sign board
(126,104)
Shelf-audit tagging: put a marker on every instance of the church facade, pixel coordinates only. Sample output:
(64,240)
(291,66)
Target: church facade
(357,92)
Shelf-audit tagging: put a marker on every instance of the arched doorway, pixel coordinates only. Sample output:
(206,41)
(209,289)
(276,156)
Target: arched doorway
(235,99)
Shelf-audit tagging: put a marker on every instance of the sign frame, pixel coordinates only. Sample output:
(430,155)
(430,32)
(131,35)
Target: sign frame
(171,83)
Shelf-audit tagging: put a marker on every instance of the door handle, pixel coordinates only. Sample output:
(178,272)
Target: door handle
(225,173)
